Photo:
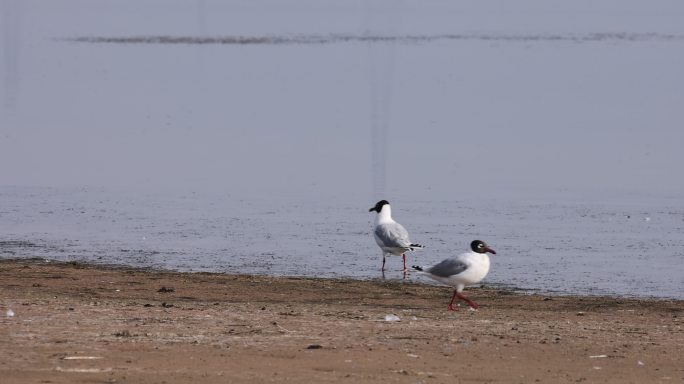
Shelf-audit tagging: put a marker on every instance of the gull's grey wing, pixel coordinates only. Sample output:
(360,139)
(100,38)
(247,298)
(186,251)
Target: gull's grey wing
(393,235)
(448,267)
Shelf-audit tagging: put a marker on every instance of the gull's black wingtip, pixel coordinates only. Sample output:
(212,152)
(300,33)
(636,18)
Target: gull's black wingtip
(417,268)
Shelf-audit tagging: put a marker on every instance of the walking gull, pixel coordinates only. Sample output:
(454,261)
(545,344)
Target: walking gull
(462,270)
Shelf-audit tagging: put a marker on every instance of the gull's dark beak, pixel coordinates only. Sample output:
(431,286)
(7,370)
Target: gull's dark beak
(487,249)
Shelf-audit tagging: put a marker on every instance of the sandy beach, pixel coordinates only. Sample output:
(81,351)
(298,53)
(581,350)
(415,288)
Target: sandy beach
(74,323)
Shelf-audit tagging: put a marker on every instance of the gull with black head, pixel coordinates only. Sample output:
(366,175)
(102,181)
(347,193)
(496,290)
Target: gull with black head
(391,237)
(460,271)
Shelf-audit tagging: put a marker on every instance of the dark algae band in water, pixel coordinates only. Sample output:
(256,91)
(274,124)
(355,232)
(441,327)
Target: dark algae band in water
(347,38)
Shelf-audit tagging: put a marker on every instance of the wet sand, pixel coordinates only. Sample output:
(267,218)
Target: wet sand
(77,323)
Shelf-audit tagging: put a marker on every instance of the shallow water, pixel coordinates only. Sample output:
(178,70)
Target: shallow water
(625,247)
(253,137)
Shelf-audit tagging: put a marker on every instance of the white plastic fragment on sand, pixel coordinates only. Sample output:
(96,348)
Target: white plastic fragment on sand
(639,362)
(84,370)
(391,318)
(10,313)
(597,356)
(81,357)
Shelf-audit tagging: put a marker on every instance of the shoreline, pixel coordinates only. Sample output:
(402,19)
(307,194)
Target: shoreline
(77,322)
(509,289)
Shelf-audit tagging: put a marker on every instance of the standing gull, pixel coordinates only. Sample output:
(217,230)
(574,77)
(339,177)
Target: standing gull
(462,270)
(392,237)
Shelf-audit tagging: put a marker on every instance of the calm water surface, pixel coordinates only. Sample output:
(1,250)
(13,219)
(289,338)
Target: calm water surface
(252,137)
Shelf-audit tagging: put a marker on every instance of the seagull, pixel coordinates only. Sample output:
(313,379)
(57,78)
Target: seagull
(462,270)
(392,237)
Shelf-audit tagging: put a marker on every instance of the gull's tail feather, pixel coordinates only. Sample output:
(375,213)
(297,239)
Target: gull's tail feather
(412,246)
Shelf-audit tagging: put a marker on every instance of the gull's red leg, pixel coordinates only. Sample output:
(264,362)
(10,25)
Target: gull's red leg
(471,303)
(404,256)
(451,304)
